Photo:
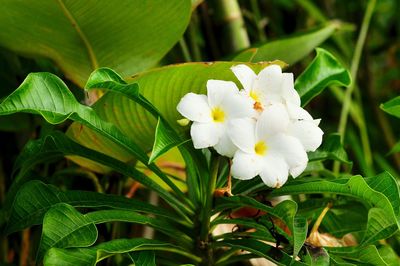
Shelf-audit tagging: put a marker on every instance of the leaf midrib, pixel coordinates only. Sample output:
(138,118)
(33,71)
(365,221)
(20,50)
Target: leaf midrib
(81,34)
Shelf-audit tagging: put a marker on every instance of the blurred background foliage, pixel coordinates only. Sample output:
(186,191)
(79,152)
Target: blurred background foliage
(219,30)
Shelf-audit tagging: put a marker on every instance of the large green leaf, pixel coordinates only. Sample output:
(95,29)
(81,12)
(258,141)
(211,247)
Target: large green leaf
(289,50)
(323,71)
(47,95)
(392,107)
(368,255)
(35,198)
(92,255)
(65,227)
(163,88)
(80,36)
(378,226)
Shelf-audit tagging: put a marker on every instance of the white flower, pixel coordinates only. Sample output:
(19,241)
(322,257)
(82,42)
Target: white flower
(304,127)
(211,114)
(269,86)
(265,148)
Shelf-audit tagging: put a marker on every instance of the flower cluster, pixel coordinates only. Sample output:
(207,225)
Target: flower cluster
(262,126)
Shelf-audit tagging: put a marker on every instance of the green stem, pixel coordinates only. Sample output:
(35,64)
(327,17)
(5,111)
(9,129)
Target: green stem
(206,215)
(185,50)
(353,70)
(257,20)
(192,37)
(230,19)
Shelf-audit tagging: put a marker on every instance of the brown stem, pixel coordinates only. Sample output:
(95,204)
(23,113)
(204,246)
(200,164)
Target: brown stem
(25,247)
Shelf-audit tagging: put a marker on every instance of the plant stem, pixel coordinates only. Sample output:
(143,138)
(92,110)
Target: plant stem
(229,17)
(205,223)
(185,50)
(257,20)
(192,36)
(353,71)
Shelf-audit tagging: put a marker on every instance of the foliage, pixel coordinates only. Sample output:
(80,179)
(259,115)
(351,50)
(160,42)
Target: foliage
(119,180)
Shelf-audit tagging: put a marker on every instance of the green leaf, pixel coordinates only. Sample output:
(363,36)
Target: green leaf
(165,137)
(317,256)
(35,198)
(368,255)
(65,227)
(143,258)
(47,95)
(162,87)
(395,149)
(260,249)
(354,187)
(285,210)
(332,149)
(92,255)
(324,70)
(300,228)
(392,107)
(164,140)
(289,50)
(57,144)
(79,37)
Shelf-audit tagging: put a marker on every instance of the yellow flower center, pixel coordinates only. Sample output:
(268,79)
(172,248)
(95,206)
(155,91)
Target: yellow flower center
(218,115)
(254,95)
(260,148)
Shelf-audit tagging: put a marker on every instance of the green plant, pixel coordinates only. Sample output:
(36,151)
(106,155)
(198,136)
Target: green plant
(307,221)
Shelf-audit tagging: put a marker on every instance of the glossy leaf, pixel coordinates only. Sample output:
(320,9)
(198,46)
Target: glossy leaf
(324,70)
(95,254)
(79,37)
(300,228)
(165,137)
(47,95)
(164,140)
(368,255)
(353,187)
(332,149)
(35,198)
(143,258)
(392,107)
(65,227)
(57,144)
(162,87)
(291,49)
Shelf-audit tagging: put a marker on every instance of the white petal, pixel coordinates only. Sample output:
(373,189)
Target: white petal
(289,93)
(195,107)
(270,78)
(308,133)
(242,133)
(218,90)
(206,134)
(298,113)
(245,75)
(245,165)
(274,172)
(225,146)
(291,149)
(238,106)
(273,120)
